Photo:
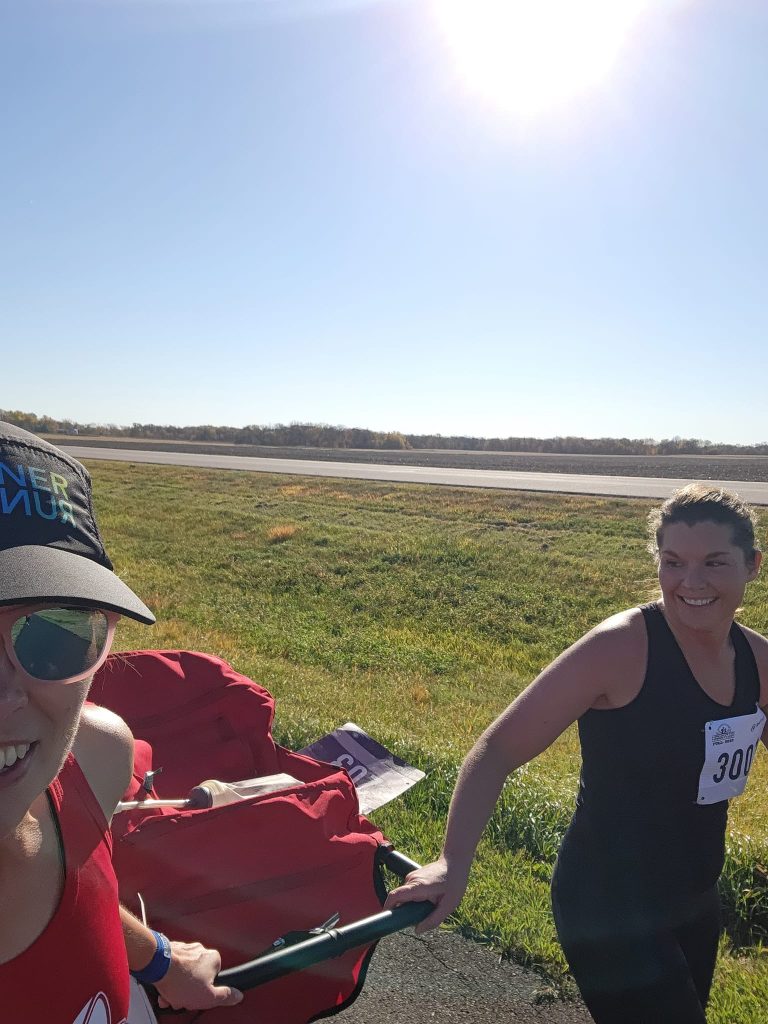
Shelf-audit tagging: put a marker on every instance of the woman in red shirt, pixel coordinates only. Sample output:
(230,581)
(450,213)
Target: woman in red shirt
(66,944)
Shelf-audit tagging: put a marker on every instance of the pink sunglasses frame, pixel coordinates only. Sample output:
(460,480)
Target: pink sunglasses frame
(11,613)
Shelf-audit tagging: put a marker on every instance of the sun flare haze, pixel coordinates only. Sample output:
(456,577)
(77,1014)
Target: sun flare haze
(532,56)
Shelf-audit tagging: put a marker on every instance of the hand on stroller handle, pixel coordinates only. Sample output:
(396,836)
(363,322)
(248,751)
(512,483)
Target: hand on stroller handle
(323,946)
(330,942)
(333,941)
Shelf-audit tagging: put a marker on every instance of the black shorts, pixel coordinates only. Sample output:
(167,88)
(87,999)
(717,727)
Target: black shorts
(656,976)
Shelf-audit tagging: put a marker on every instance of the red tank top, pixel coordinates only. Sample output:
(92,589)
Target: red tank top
(76,971)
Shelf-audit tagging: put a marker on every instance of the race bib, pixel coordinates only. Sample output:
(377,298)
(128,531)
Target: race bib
(729,748)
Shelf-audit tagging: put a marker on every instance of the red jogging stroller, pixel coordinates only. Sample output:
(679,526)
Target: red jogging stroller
(283,882)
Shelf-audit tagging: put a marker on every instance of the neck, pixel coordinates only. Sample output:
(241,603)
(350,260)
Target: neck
(23,842)
(714,642)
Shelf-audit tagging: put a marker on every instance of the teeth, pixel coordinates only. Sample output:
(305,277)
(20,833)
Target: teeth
(698,603)
(12,753)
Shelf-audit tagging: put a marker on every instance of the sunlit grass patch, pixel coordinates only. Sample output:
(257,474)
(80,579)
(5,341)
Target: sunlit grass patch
(740,989)
(282,533)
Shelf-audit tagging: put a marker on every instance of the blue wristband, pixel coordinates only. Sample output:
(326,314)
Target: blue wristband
(157,968)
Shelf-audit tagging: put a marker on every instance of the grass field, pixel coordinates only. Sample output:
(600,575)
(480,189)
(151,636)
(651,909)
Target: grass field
(419,613)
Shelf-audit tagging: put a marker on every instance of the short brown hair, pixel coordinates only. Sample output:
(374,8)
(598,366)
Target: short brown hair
(702,503)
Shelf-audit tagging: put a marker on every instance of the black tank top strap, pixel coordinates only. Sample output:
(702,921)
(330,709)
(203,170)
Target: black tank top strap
(664,652)
(747,673)
(656,624)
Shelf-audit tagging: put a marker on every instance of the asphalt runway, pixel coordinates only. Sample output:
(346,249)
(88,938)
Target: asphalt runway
(562,483)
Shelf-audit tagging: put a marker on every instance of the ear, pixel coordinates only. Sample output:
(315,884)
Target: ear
(755,568)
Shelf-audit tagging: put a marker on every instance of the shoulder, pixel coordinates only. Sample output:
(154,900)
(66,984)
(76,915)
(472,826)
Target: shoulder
(615,641)
(759,645)
(611,658)
(103,748)
(604,669)
(607,665)
(625,626)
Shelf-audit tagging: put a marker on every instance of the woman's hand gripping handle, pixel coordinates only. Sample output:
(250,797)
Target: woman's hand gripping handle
(433,882)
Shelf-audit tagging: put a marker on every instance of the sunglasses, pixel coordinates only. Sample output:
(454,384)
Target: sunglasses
(57,645)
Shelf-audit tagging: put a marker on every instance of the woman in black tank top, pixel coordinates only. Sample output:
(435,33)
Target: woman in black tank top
(668,699)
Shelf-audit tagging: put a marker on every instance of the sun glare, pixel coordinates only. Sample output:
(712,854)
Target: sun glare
(530,56)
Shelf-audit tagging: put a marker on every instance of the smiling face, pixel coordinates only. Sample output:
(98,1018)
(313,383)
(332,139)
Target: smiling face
(43,717)
(702,575)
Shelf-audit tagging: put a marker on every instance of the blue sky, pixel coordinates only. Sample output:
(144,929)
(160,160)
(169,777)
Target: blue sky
(277,210)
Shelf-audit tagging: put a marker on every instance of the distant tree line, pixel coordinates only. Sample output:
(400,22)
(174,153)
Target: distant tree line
(322,435)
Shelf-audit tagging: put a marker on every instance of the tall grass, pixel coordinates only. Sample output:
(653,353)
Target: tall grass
(419,613)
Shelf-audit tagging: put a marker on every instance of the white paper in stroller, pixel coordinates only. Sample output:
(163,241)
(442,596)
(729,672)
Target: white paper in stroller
(378,774)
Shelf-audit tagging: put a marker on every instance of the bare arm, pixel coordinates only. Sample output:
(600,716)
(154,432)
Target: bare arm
(104,750)
(759,646)
(189,983)
(601,669)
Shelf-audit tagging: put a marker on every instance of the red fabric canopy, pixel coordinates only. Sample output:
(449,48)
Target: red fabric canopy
(238,877)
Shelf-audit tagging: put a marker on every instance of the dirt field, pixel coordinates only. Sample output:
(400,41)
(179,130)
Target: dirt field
(690,467)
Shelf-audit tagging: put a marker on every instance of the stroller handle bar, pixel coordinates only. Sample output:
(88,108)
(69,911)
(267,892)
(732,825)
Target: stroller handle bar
(334,941)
